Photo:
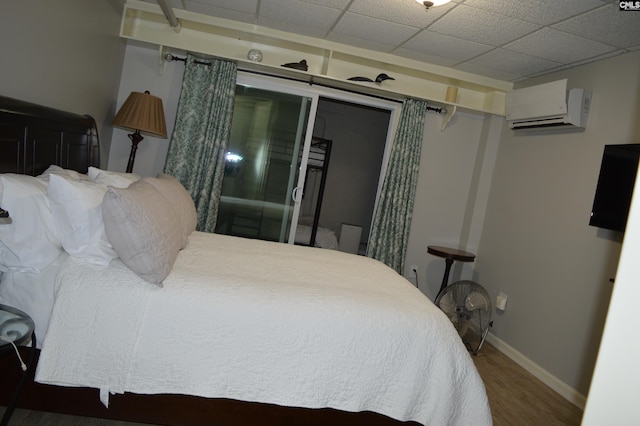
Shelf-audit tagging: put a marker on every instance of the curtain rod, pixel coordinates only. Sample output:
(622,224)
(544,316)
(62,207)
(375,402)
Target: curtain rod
(170,57)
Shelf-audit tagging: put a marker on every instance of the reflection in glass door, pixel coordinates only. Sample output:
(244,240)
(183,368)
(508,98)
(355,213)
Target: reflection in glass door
(266,153)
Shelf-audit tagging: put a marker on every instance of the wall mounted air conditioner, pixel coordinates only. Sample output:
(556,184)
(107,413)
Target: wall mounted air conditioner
(548,106)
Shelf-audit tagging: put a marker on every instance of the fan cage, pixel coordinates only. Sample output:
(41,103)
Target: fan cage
(468,306)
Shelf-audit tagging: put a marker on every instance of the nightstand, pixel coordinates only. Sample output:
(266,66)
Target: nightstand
(16,329)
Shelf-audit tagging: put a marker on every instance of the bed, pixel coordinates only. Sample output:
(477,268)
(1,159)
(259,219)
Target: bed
(162,324)
(322,236)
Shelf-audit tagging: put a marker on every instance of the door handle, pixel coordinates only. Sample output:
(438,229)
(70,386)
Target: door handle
(296,195)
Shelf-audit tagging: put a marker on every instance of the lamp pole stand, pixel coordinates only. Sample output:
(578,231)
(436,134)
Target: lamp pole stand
(135,137)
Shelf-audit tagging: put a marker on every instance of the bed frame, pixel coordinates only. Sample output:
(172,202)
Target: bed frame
(32,137)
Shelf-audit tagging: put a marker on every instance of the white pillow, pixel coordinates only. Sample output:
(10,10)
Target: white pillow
(77,214)
(145,231)
(30,242)
(115,179)
(57,170)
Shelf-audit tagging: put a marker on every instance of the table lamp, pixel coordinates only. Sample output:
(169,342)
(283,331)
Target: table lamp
(143,113)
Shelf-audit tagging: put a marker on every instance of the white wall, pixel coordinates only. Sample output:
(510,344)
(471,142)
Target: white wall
(536,244)
(65,55)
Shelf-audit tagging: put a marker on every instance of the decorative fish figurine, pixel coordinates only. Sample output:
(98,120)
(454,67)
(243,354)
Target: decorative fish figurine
(302,65)
(379,79)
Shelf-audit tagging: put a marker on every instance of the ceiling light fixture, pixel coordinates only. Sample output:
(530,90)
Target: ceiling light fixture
(432,3)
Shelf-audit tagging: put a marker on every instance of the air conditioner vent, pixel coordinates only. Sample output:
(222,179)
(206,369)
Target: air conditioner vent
(548,106)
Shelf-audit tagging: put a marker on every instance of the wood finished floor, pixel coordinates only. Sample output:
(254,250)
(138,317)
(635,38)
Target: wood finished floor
(516,398)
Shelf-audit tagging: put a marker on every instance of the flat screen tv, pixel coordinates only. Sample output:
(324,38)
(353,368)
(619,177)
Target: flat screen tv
(615,186)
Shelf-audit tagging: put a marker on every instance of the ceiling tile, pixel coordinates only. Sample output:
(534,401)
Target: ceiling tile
(298,13)
(607,24)
(514,62)
(248,15)
(367,28)
(293,27)
(484,27)
(496,73)
(248,6)
(405,12)
(542,12)
(445,46)
(337,4)
(558,46)
(598,58)
(562,67)
(425,57)
(362,43)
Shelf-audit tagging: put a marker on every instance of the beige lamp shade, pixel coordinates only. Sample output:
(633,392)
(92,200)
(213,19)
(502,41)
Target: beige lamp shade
(142,112)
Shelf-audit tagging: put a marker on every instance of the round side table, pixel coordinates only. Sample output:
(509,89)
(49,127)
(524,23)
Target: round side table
(16,328)
(450,255)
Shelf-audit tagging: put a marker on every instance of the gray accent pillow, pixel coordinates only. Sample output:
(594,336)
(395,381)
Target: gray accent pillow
(180,199)
(144,230)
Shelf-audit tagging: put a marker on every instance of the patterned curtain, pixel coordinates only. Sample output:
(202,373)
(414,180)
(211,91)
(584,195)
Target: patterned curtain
(392,220)
(201,133)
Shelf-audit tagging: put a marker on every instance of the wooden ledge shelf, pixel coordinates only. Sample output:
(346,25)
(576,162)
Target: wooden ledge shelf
(329,63)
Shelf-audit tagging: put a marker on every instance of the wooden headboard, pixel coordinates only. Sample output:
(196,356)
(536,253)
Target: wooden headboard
(32,137)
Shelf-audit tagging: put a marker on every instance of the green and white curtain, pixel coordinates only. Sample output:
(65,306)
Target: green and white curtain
(200,137)
(392,220)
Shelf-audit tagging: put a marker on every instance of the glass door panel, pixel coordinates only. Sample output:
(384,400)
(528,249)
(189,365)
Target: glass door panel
(263,163)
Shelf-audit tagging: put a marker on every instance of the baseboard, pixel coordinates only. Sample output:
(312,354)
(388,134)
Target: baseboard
(541,374)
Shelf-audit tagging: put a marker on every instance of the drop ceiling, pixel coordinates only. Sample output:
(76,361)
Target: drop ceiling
(507,40)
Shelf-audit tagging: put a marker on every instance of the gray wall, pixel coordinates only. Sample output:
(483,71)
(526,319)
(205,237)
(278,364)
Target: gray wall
(536,244)
(64,54)
(456,166)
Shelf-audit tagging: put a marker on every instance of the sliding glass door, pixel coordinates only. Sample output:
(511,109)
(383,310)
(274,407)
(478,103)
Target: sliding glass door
(265,161)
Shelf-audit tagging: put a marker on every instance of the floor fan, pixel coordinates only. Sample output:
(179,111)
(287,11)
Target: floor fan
(468,306)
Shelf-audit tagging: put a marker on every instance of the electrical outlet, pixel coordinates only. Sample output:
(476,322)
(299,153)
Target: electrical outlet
(501,301)
(413,273)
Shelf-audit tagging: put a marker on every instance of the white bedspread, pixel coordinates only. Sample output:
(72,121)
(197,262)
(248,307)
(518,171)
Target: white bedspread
(267,322)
